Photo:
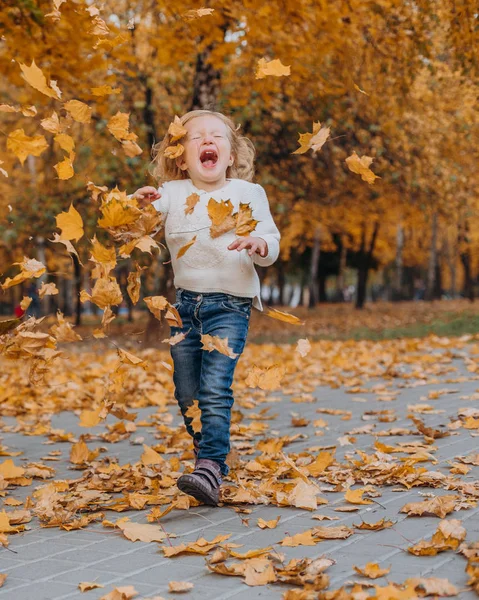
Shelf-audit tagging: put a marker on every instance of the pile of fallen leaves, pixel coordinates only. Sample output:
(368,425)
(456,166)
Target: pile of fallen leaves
(265,468)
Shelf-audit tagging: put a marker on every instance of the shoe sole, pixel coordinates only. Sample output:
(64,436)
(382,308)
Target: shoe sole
(191,486)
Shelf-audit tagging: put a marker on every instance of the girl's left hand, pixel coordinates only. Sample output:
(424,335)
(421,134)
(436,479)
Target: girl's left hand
(255,244)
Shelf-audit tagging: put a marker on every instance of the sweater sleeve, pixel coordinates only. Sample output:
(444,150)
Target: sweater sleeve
(162,205)
(265,228)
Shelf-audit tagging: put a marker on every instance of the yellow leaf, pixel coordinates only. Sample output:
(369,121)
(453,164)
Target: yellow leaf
(34,76)
(142,532)
(194,413)
(266,379)
(320,464)
(303,347)
(273,67)
(79,453)
(300,539)
(105,90)
(8,470)
(131,359)
(180,586)
(86,586)
(262,524)
(174,151)
(282,316)
(150,456)
(90,418)
(175,339)
(71,224)
(48,289)
(191,202)
(156,305)
(221,215)
(65,141)
(197,13)
(212,342)
(22,145)
(80,111)
(356,497)
(106,292)
(245,224)
(117,212)
(176,130)
(65,169)
(186,247)
(371,570)
(356,87)
(361,167)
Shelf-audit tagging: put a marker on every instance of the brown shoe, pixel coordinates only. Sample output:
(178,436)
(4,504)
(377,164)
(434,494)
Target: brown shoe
(204,483)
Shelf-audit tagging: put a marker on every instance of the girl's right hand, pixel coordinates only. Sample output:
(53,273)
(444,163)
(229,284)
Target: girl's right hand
(146,195)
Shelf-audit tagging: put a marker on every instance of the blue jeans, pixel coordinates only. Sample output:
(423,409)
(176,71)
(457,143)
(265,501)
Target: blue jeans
(207,376)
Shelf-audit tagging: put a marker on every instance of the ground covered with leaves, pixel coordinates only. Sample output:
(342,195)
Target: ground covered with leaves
(353,475)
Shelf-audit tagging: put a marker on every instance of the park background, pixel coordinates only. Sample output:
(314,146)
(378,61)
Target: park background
(395,81)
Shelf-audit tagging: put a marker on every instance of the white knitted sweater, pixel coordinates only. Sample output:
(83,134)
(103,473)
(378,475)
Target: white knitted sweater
(208,265)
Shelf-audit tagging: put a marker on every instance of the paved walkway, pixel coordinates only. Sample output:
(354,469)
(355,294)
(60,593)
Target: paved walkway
(49,563)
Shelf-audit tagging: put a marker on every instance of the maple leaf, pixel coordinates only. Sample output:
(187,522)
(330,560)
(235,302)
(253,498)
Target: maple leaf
(439,506)
(194,413)
(22,145)
(65,169)
(360,165)
(371,570)
(314,140)
(71,224)
(356,497)
(245,224)
(191,202)
(125,592)
(80,111)
(273,67)
(266,379)
(213,342)
(34,76)
(221,215)
(176,130)
(272,524)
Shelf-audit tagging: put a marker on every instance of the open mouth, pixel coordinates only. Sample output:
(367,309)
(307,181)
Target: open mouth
(209,158)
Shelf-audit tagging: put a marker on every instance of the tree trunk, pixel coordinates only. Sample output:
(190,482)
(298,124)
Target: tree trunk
(340,282)
(313,271)
(77,274)
(431,272)
(465,256)
(365,264)
(398,295)
(322,288)
(206,83)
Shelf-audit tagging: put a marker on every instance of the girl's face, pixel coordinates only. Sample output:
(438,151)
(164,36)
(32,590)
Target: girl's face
(207,152)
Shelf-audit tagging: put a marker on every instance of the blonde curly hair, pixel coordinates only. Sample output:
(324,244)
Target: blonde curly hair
(166,169)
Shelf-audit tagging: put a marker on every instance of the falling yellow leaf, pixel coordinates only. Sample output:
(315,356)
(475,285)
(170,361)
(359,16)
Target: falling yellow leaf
(221,215)
(313,141)
(191,202)
(186,247)
(303,347)
(356,87)
(282,316)
(194,413)
(80,111)
(189,15)
(71,224)
(213,342)
(273,67)
(245,224)
(22,145)
(65,169)
(361,167)
(35,77)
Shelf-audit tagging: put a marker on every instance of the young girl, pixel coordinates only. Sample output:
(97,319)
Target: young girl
(215,278)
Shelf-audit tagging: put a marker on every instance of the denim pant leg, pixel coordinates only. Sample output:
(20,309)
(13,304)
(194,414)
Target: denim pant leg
(187,359)
(215,396)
